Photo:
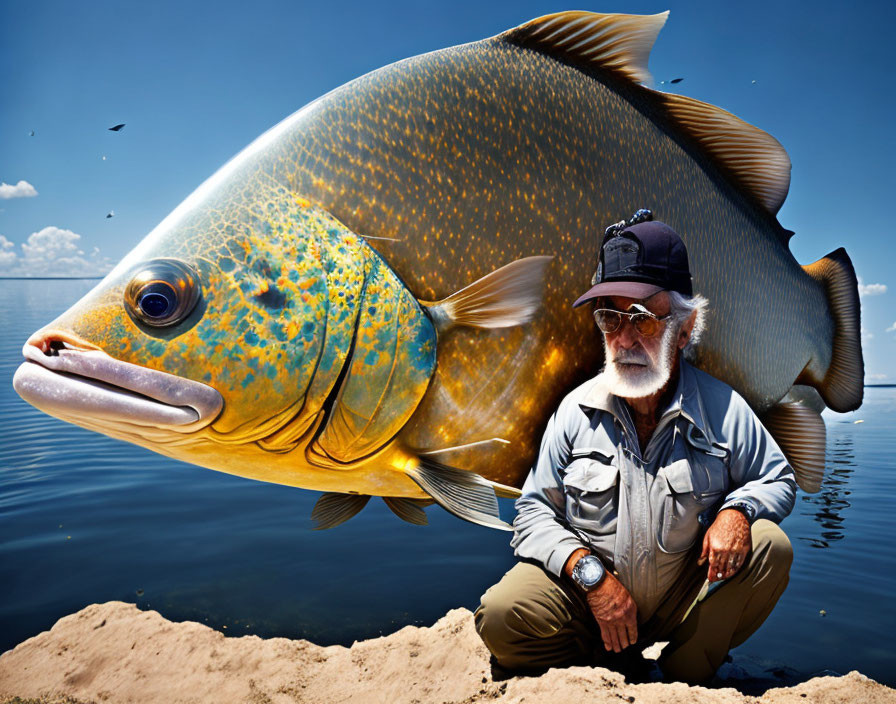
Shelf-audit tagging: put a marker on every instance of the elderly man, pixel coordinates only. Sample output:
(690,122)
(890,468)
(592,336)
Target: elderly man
(634,466)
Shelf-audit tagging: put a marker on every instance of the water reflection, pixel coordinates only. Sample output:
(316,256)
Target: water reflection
(827,506)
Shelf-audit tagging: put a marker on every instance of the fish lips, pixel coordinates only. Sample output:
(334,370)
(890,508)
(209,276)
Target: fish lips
(88,384)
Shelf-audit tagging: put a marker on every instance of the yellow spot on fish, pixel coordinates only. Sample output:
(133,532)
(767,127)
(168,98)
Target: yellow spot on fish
(403,464)
(553,358)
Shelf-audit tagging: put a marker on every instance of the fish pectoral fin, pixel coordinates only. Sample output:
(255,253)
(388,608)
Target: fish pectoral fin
(410,510)
(504,491)
(507,297)
(800,433)
(465,494)
(332,509)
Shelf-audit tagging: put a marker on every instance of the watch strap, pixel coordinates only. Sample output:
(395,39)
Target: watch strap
(745,507)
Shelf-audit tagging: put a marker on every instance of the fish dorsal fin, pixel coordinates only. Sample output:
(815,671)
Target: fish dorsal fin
(617,43)
(620,45)
(753,158)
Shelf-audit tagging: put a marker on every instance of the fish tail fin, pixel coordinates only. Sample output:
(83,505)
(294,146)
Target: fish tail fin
(504,298)
(799,430)
(842,386)
(465,494)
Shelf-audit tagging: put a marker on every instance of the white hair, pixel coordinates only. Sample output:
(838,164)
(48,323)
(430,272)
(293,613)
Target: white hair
(681,308)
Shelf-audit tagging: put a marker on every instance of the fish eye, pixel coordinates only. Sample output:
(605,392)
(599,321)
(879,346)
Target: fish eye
(162,292)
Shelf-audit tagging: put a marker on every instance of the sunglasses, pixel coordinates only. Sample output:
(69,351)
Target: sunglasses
(645,322)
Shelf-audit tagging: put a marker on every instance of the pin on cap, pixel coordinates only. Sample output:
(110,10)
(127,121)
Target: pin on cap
(639,258)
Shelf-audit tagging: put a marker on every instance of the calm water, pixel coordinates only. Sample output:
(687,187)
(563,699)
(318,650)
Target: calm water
(84,519)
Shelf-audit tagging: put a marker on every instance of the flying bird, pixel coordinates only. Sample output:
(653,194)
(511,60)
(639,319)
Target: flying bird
(32,133)
(117,128)
(676,80)
(110,214)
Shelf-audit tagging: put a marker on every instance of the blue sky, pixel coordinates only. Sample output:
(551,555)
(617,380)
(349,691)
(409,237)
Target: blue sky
(196,82)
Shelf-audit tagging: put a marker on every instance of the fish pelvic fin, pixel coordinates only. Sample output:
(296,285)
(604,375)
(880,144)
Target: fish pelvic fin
(619,46)
(800,433)
(465,494)
(842,386)
(610,42)
(504,298)
(332,509)
(410,510)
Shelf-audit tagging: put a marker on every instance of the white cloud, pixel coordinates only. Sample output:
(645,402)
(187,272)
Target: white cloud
(871,289)
(7,257)
(867,335)
(876,377)
(22,189)
(51,252)
(892,328)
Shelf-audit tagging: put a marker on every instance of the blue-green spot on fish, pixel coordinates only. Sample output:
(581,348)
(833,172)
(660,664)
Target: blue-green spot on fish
(373,298)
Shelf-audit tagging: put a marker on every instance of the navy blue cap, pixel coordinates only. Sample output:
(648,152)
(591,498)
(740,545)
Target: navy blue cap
(639,261)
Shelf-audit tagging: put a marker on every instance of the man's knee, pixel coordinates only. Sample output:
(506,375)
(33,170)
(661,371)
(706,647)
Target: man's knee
(521,611)
(772,543)
(503,618)
(491,618)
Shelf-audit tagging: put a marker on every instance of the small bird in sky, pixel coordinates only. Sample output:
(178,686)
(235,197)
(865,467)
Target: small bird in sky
(676,80)
(117,128)
(32,133)
(110,214)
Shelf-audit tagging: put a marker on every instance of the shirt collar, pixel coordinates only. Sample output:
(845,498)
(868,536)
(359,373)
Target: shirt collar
(686,402)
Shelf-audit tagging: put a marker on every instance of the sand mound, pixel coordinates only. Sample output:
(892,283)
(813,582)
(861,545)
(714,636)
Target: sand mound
(114,652)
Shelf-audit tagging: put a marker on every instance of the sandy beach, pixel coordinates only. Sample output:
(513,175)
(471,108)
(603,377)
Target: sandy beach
(115,653)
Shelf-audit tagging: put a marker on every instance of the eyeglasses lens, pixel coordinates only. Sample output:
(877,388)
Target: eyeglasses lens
(646,325)
(609,321)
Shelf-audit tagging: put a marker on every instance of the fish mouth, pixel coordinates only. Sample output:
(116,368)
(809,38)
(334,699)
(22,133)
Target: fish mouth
(76,381)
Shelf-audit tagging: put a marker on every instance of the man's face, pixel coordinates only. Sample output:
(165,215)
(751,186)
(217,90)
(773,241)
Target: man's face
(639,366)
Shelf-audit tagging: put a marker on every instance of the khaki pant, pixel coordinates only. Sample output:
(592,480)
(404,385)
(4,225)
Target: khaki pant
(531,620)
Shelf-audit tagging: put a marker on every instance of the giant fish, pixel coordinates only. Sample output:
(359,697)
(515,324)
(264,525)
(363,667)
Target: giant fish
(374,297)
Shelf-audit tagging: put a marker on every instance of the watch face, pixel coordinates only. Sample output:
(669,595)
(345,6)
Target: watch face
(590,572)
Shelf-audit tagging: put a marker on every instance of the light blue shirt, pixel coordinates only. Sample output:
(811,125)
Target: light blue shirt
(641,513)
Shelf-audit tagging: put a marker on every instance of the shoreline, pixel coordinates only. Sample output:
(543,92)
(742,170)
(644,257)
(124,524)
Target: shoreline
(113,652)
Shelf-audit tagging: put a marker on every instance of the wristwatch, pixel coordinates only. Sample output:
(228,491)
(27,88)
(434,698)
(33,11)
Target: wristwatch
(588,572)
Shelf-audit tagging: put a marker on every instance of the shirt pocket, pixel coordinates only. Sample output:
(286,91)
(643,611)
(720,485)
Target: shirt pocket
(692,486)
(592,491)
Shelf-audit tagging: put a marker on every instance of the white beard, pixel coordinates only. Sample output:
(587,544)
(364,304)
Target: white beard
(633,374)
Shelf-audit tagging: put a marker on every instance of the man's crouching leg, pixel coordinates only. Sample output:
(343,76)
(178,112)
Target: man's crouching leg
(531,621)
(725,619)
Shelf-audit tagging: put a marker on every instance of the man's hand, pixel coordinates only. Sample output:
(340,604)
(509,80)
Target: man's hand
(613,608)
(615,612)
(726,545)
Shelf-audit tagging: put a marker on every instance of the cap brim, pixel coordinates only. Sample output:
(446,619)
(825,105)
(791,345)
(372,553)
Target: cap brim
(629,289)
